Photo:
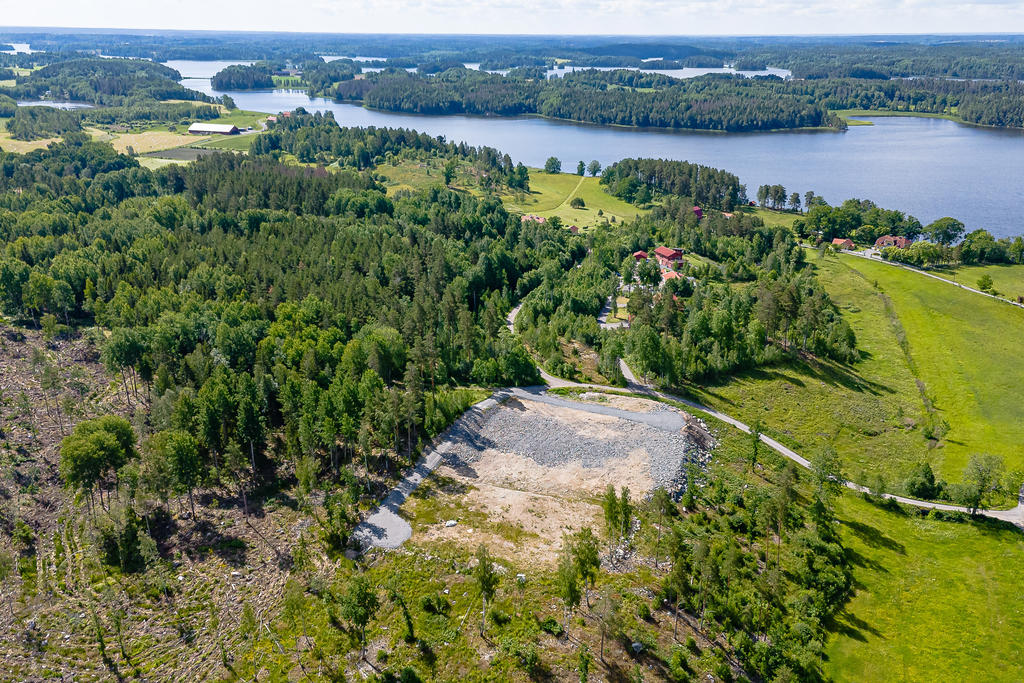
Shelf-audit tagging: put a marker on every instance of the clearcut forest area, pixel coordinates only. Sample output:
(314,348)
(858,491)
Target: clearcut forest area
(313,402)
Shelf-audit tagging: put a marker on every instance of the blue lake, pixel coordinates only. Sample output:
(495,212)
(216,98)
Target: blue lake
(927,167)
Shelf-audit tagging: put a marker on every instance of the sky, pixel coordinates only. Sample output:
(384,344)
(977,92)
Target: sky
(618,17)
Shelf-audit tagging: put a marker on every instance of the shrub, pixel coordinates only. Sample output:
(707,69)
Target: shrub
(551,625)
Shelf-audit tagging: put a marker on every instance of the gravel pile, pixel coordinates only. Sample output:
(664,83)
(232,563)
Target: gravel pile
(550,442)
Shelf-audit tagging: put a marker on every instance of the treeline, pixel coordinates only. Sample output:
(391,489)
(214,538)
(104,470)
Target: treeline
(1002,60)
(981,102)
(36,123)
(318,137)
(321,77)
(243,77)
(861,220)
(641,180)
(111,82)
(620,97)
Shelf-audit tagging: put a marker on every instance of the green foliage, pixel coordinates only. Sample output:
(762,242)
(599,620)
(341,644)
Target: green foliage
(95,449)
(243,77)
(35,123)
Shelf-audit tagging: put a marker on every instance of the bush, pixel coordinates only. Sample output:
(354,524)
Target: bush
(551,625)
(499,617)
(435,604)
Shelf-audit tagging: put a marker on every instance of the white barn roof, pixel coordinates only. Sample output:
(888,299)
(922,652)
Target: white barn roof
(222,128)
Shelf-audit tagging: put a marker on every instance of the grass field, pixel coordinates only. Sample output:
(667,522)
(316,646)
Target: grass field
(237,143)
(150,141)
(550,194)
(874,413)
(935,601)
(1008,279)
(153,163)
(9,144)
(977,393)
(869,413)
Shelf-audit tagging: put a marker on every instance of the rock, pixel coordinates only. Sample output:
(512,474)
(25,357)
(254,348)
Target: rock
(450,523)
(637,647)
(181,577)
(236,574)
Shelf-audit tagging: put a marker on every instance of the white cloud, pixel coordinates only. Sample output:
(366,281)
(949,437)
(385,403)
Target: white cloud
(650,17)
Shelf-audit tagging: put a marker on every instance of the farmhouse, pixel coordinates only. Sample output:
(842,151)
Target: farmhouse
(667,256)
(842,243)
(892,241)
(212,129)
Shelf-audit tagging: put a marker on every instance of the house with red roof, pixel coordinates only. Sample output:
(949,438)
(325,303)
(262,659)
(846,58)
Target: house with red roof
(843,243)
(640,255)
(698,213)
(892,241)
(667,256)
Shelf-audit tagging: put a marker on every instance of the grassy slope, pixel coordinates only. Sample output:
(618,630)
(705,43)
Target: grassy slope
(550,194)
(935,600)
(977,392)
(866,413)
(1008,279)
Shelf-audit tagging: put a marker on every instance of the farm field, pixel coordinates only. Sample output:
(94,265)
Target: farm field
(236,143)
(150,141)
(978,394)
(550,194)
(935,600)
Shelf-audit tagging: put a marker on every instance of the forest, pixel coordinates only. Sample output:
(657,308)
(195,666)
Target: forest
(317,137)
(241,77)
(110,82)
(619,97)
(272,327)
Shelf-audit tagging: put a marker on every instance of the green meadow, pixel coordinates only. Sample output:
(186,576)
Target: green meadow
(1008,279)
(934,601)
(977,392)
(551,194)
(919,367)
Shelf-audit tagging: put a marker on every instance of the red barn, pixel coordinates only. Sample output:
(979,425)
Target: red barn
(667,256)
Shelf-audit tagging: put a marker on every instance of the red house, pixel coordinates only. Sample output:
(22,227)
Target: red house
(842,243)
(667,256)
(640,255)
(698,213)
(892,241)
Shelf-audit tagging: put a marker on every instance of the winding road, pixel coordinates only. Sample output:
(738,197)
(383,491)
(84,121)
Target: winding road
(385,528)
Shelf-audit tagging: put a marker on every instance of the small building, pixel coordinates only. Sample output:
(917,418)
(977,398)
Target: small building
(212,129)
(271,119)
(574,229)
(892,241)
(843,243)
(698,213)
(667,275)
(726,214)
(640,255)
(668,256)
